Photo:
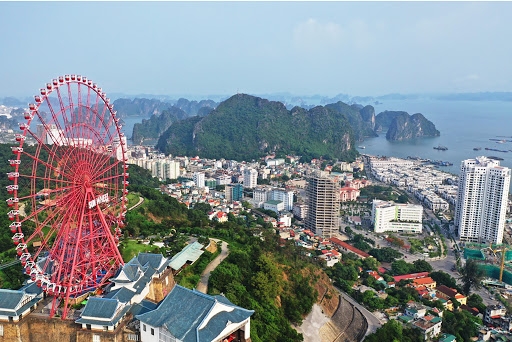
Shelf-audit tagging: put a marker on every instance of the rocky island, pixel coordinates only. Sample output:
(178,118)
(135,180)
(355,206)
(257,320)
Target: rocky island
(402,126)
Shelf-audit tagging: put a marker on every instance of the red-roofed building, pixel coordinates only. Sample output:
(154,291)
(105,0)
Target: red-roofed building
(410,276)
(345,247)
(375,275)
(308,233)
(425,281)
(445,292)
(358,183)
(349,194)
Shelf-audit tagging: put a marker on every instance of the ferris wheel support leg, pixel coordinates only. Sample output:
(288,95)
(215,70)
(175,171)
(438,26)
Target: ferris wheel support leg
(54,306)
(65,308)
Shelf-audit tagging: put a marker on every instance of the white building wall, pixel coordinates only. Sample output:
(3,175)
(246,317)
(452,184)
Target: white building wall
(284,196)
(250,178)
(481,200)
(389,216)
(146,334)
(199,179)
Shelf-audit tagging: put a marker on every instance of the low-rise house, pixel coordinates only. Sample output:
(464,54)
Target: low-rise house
(415,310)
(410,276)
(349,194)
(345,247)
(430,327)
(444,292)
(187,256)
(428,282)
(494,312)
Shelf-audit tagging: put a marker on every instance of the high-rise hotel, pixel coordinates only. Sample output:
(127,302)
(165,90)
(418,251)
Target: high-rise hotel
(482,200)
(323,198)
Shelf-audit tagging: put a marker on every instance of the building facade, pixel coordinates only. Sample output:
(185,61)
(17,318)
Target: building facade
(283,195)
(234,192)
(323,206)
(396,217)
(199,179)
(250,178)
(482,200)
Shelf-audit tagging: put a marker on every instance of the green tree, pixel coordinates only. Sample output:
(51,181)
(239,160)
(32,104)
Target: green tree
(401,267)
(443,278)
(461,324)
(471,276)
(475,301)
(422,266)
(393,331)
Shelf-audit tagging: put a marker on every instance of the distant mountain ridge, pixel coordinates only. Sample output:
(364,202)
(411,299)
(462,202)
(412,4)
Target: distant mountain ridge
(246,127)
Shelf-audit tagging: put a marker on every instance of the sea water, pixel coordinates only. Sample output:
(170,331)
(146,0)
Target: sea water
(463,125)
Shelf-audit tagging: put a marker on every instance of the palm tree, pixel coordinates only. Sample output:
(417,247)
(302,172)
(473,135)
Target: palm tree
(471,276)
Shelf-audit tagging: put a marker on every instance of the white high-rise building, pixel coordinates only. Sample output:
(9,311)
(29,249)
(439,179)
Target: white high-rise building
(396,217)
(482,200)
(283,195)
(172,169)
(199,179)
(250,178)
(261,194)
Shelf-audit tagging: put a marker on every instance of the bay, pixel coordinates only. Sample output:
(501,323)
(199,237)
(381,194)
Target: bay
(463,125)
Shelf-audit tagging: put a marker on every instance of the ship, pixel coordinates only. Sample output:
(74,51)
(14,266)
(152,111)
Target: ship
(495,158)
(477,148)
(495,149)
(440,148)
(363,147)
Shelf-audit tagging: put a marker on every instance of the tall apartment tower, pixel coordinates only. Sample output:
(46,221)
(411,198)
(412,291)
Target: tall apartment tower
(234,192)
(199,179)
(323,200)
(482,200)
(250,178)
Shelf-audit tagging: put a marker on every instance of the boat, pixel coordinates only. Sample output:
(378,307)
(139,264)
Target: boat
(477,148)
(495,158)
(363,147)
(495,149)
(440,148)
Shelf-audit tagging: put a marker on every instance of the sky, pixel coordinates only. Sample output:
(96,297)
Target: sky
(302,48)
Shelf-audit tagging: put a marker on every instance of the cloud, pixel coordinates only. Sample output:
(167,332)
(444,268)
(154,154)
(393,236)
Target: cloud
(314,34)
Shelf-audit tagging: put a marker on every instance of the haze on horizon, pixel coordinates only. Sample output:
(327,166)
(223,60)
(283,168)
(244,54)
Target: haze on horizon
(302,48)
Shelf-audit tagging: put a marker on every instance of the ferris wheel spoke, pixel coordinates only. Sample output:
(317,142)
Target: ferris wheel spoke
(104,166)
(53,156)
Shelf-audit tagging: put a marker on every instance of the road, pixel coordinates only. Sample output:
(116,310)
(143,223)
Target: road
(203,282)
(141,199)
(373,322)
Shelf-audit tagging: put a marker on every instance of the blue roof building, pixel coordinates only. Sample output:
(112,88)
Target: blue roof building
(14,304)
(187,256)
(191,316)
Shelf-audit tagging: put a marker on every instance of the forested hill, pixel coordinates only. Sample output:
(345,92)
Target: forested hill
(246,127)
(153,127)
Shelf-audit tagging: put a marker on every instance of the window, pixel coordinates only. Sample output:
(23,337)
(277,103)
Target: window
(96,338)
(132,337)
(143,327)
(152,331)
(1,330)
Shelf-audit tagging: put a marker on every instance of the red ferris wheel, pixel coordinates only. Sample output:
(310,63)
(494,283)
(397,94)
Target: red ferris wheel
(69,190)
